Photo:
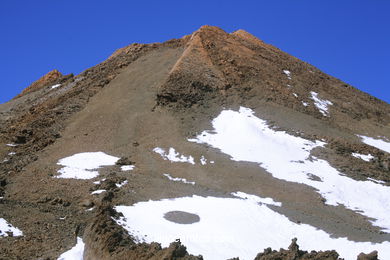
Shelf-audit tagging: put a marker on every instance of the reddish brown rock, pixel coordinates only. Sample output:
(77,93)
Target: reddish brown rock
(50,78)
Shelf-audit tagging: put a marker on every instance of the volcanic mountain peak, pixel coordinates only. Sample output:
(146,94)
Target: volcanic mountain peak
(246,35)
(194,75)
(219,65)
(217,137)
(209,29)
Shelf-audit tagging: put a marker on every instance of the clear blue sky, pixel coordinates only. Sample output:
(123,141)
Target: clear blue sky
(348,39)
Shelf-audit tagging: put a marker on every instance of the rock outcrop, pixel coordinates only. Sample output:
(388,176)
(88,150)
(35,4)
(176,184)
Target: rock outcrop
(49,78)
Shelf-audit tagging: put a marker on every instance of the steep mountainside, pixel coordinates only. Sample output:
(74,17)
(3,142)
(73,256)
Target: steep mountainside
(216,139)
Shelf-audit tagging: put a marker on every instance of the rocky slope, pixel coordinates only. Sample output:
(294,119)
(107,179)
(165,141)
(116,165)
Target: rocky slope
(158,95)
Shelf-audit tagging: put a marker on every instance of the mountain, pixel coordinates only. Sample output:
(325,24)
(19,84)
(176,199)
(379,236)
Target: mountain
(215,144)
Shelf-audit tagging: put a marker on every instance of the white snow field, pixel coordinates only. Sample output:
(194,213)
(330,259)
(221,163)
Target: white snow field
(364,157)
(321,104)
(178,179)
(84,165)
(173,156)
(6,228)
(231,227)
(75,253)
(245,137)
(378,143)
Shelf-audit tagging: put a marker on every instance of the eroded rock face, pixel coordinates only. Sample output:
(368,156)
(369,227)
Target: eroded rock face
(50,78)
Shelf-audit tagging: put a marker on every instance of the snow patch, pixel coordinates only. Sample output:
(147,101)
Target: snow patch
(84,165)
(173,156)
(75,253)
(178,179)
(55,86)
(6,228)
(125,168)
(11,145)
(119,185)
(245,137)
(203,160)
(235,234)
(305,104)
(97,192)
(364,157)
(295,95)
(321,104)
(98,182)
(378,143)
(288,73)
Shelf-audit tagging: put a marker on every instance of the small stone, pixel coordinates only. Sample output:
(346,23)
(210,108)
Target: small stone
(86,203)
(124,161)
